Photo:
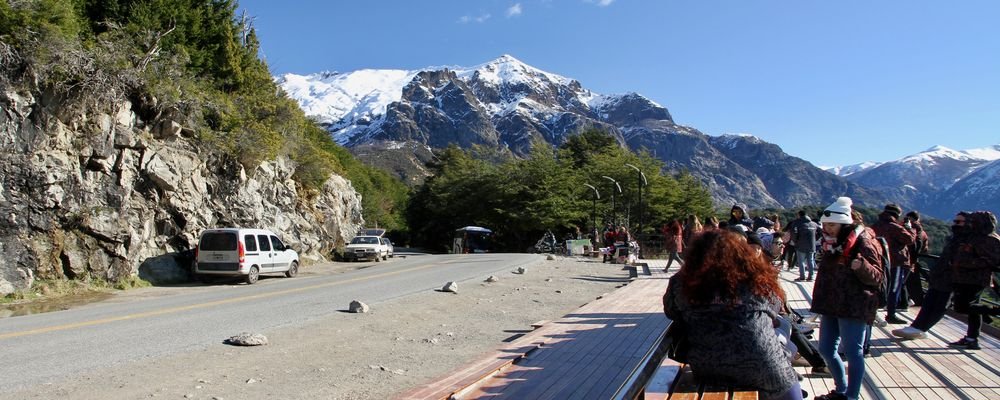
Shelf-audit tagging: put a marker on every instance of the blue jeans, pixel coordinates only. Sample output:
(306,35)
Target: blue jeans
(804,260)
(852,331)
(898,279)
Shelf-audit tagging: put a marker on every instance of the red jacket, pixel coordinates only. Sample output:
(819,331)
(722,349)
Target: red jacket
(900,239)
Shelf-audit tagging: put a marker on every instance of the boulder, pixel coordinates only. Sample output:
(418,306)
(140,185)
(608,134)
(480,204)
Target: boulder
(520,271)
(450,287)
(492,279)
(164,270)
(247,339)
(358,307)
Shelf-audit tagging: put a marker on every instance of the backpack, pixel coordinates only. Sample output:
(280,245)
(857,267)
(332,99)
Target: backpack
(883,288)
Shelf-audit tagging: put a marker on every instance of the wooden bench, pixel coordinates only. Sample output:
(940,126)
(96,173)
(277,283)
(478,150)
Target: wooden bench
(675,381)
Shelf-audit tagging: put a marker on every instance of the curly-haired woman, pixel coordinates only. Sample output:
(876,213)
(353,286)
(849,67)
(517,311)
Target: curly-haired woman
(728,297)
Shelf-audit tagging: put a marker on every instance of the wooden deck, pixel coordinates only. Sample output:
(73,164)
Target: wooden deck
(592,352)
(922,369)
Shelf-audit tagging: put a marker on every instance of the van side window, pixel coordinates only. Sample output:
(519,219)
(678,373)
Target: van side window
(264,244)
(251,242)
(278,246)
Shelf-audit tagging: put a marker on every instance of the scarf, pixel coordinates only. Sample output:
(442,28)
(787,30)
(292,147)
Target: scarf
(830,245)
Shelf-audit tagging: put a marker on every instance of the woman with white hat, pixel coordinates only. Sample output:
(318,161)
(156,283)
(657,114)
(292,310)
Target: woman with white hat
(845,296)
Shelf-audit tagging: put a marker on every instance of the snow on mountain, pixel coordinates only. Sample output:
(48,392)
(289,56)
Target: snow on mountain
(848,170)
(355,102)
(979,190)
(332,96)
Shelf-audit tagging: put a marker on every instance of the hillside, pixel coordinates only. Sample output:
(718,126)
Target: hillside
(128,127)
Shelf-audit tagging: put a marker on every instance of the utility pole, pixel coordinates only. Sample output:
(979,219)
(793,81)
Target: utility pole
(614,216)
(642,182)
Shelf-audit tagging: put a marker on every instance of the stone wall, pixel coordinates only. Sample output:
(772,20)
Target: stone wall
(98,193)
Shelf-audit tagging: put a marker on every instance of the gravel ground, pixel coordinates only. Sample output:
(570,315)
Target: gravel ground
(397,345)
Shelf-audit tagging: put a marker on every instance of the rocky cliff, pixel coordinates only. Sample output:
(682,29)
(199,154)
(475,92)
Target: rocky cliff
(101,192)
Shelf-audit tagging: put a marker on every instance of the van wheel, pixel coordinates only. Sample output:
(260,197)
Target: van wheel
(253,276)
(378,259)
(292,270)
(385,258)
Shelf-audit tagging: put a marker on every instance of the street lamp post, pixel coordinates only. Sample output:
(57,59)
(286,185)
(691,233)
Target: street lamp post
(642,182)
(593,208)
(614,218)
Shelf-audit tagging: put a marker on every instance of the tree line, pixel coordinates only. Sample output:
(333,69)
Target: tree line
(519,199)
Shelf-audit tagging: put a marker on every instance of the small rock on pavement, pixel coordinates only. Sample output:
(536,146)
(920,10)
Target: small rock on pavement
(520,270)
(450,287)
(492,278)
(247,339)
(359,307)
(548,279)
(251,380)
(550,257)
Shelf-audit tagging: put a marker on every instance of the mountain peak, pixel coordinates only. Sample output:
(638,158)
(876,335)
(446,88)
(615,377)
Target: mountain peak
(508,69)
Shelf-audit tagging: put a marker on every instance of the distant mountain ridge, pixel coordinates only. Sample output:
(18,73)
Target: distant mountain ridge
(938,180)
(395,118)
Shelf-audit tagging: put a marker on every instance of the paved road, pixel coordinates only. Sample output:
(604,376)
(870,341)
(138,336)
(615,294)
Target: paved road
(38,348)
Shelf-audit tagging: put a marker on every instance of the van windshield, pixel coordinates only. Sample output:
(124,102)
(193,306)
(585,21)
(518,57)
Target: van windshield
(364,240)
(218,241)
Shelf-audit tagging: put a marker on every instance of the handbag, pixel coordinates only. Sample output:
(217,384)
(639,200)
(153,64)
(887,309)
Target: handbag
(678,345)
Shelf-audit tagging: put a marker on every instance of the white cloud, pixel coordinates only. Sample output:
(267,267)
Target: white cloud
(514,10)
(479,19)
(602,3)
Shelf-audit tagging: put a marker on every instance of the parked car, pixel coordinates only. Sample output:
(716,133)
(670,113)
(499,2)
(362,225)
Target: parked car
(390,249)
(243,252)
(366,248)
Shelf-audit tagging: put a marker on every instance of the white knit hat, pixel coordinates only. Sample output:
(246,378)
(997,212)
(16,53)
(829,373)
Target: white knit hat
(839,212)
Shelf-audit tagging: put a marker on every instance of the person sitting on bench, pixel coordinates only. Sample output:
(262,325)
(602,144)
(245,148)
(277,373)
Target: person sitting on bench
(727,296)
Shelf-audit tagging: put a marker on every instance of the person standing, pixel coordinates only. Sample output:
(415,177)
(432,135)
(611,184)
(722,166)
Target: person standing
(845,296)
(804,232)
(739,215)
(673,241)
(899,238)
(728,297)
(914,291)
(691,228)
(965,268)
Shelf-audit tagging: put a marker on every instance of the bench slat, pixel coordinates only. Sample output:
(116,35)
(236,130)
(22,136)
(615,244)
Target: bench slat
(709,392)
(686,388)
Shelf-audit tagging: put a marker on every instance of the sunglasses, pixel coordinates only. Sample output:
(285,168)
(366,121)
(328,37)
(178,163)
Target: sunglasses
(826,213)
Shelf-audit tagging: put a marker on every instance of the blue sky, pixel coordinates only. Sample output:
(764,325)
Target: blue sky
(832,82)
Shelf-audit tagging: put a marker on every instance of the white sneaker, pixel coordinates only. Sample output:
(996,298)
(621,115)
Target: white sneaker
(910,333)
(879,322)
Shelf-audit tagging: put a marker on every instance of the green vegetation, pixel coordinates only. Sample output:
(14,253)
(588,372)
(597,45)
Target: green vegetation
(520,199)
(193,61)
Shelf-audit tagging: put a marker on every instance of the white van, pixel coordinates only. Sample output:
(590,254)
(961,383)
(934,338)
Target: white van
(243,252)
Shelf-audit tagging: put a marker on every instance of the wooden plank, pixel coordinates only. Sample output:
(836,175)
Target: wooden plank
(663,380)
(686,388)
(745,395)
(712,392)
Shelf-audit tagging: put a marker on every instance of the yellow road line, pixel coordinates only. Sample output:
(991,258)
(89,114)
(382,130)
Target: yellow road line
(201,305)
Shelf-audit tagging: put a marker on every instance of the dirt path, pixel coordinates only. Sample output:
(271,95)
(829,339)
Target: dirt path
(399,344)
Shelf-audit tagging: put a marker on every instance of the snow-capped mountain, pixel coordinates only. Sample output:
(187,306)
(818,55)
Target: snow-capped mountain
(979,190)
(919,180)
(505,104)
(849,170)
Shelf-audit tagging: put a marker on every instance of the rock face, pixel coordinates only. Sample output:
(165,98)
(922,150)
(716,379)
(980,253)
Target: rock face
(101,192)
(391,118)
